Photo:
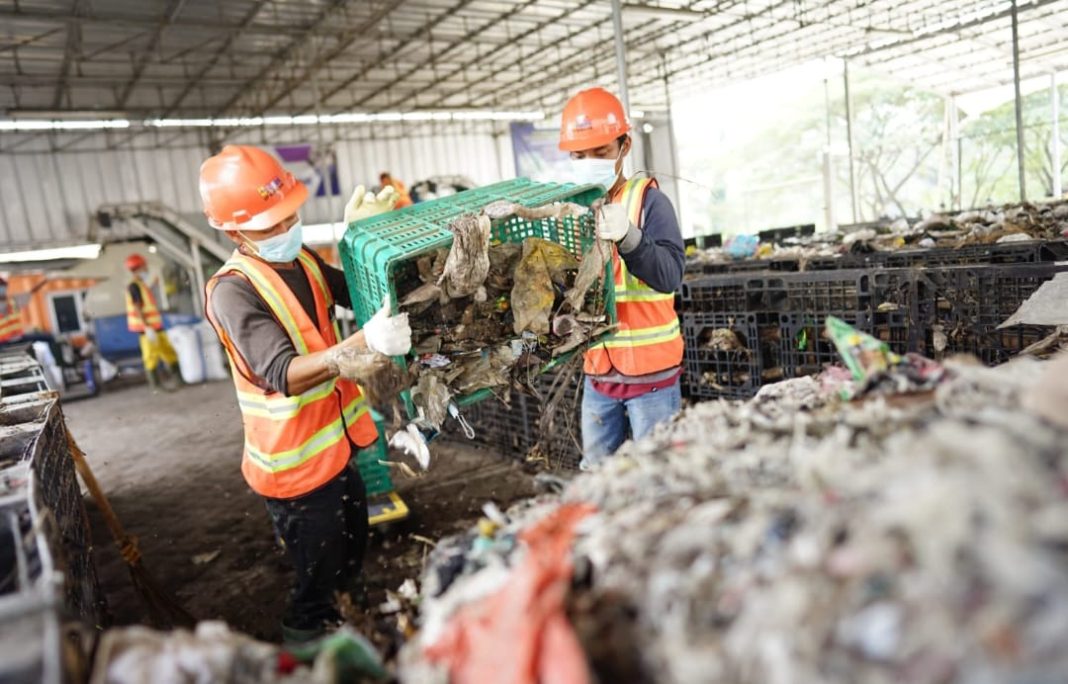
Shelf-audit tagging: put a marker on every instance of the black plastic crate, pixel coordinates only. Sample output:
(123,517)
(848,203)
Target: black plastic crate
(840,293)
(805,348)
(732,293)
(721,373)
(1030,252)
(695,268)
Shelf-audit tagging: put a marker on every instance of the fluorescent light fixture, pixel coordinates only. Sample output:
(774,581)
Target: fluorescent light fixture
(23,125)
(88,251)
(29,125)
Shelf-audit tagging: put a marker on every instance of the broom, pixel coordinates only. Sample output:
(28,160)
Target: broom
(164,612)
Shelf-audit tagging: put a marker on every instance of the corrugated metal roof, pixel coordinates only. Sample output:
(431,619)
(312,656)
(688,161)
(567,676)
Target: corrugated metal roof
(248,57)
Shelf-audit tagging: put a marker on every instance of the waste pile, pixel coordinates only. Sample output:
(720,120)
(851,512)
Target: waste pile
(1006,224)
(917,535)
(490,315)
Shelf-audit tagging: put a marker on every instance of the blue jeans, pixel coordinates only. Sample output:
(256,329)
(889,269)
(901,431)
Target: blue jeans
(605,421)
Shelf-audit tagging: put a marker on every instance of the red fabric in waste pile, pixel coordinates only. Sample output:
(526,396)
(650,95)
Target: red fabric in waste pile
(521,634)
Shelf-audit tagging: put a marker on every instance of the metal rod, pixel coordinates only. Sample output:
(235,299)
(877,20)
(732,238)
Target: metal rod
(1055,134)
(198,278)
(849,139)
(1019,102)
(621,55)
(673,147)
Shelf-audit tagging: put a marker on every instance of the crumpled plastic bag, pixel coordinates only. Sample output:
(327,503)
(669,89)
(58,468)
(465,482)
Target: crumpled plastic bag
(431,395)
(542,264)
(591,273)
(380,380)
(468,262)
(521,633)
(492,368)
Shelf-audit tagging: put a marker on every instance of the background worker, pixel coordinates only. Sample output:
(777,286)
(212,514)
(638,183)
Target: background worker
(11,327)
(632,378)
(143,317)
(272,305)
(385,179)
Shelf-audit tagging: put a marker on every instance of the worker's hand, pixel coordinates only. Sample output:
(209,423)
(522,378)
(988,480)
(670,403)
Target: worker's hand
(150,334)
(386,334)
(612,222)
(363,204)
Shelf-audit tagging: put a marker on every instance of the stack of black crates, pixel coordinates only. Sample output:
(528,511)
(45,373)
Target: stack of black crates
(936,302)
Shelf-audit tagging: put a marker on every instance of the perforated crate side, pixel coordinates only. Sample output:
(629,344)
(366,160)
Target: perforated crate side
(717,374)
(805,348)
(732,293)
(823,293)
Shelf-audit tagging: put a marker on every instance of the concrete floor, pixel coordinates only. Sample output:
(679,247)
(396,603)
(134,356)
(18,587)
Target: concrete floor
(169,463)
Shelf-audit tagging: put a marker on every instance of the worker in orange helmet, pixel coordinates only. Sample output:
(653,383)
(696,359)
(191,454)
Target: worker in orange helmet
(632,378)
(11,327)
(272,306)
(143,317)
(386,180)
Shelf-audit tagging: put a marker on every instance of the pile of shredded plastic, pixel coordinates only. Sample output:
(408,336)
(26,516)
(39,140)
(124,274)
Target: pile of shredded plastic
(1009,223)
(797,538)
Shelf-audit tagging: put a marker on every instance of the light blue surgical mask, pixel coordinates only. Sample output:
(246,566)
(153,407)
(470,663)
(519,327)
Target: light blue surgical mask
(281,249)
(591,171)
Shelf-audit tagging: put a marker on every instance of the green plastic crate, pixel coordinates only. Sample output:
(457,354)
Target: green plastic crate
(373,249)
(376,477)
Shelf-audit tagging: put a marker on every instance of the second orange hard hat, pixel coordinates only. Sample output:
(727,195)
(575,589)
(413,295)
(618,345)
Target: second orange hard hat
(245,188)
(592,118)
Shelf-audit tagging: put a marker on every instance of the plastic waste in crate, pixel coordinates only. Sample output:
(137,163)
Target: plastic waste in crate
(372,249)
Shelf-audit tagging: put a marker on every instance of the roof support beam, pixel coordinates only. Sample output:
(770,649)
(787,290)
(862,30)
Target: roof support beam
(344,42)
(169,16)
(283,56)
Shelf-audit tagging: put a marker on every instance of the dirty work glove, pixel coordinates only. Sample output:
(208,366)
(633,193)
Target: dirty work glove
(612,222)
(386,334)
(363,204)
(150,334)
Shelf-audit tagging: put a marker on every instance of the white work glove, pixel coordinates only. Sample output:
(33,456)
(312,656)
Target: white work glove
(363,204)
(612,222)
(150,333)
(386,334)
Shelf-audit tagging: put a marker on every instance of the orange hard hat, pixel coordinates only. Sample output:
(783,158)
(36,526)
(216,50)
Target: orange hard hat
(134,262)
(245,188)
(592,118)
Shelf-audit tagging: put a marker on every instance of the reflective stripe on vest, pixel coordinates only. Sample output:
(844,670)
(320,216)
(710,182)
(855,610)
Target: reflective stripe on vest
(148,312)
(296,444)
(11,325)
(649,339)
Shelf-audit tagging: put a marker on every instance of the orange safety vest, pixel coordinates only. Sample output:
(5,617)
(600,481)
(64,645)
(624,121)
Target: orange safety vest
(148,313)
(11,324)
(648,339)
(296,444)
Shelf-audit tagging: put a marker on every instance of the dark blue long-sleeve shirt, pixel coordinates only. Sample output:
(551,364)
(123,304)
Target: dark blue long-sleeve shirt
(655,253)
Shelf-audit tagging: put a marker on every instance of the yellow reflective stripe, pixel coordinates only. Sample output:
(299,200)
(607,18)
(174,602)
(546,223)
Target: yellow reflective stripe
(355,411)
(281,407)
(313,268)
(649,295)
(644,336)
(291,458)
(263,287)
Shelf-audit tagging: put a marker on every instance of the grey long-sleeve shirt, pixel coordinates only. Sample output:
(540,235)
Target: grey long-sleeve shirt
(256,334)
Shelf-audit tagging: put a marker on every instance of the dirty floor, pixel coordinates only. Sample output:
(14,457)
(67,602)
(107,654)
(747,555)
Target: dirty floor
(170,466)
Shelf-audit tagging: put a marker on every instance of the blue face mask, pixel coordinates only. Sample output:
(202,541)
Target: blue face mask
(594,172)
(281,249)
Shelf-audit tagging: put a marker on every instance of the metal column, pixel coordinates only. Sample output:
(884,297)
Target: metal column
(673,146)
(1019,102)
(1055,134)
(849,140)
(198,279)
(621,55)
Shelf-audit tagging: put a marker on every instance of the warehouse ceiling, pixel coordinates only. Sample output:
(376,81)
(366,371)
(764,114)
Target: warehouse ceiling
(198,58)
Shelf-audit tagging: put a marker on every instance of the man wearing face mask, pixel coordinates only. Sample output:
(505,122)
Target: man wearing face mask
(143,318)
(272,305)
(632,378)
